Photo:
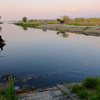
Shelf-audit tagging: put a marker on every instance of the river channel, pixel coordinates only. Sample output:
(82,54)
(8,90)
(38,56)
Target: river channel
(42,58)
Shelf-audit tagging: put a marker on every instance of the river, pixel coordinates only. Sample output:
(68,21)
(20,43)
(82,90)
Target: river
(42,58)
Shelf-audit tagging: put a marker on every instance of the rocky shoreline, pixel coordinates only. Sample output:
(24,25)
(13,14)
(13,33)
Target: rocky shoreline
(87,30)
(57,92)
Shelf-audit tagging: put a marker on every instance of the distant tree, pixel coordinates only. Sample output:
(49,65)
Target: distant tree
(24,19)
(0,17)
(79,19)
(65,18)
(58,19)
(31,20)
(82,19)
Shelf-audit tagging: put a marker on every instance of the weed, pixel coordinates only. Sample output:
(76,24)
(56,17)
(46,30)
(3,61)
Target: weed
(9,93)
(85,28)
(65,93)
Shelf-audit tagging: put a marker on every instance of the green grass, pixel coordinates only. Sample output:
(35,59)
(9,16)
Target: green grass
(52,23)
(77,24)
(95,97)
(33,25)
(89,90)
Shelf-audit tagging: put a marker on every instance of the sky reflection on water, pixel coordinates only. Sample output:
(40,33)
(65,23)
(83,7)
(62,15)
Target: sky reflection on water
(43,58)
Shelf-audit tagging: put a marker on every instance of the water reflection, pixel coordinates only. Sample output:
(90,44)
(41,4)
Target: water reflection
(44,30)
(63,34)
(24,28)
(0,28)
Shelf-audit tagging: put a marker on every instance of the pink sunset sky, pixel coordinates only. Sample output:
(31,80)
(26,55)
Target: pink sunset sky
(48,9)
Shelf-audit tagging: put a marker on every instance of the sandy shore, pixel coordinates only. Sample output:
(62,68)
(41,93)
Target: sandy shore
(88,30)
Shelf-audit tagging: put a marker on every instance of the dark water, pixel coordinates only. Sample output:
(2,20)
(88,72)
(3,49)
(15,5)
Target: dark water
(41,58)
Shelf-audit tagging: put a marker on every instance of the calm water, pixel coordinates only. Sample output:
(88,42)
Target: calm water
(41,58)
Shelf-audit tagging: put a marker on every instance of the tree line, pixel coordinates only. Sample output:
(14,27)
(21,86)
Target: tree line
(78,19)
(67,18)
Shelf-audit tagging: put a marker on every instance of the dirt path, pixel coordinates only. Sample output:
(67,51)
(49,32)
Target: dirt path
(89,30)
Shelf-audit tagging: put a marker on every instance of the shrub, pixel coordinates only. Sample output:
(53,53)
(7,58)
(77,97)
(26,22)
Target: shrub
(75,88)
(90,82)
(83,94)
(98,89)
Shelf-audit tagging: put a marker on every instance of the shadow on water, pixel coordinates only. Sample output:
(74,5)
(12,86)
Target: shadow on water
(2,43)
(44,30)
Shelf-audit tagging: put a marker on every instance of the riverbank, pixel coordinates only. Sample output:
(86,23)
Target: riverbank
(88,89)
(87,30)
(58,92)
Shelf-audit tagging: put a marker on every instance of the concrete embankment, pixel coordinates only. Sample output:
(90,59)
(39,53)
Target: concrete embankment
(88,30)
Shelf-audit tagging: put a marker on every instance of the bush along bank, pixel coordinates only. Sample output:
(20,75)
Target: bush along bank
(32,25)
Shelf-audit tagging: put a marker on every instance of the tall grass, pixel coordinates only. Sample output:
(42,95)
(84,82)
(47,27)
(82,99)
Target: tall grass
(91,82)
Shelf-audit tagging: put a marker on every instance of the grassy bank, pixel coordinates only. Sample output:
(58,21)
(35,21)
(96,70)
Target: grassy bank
(78,22)
(84,24)
(88,90)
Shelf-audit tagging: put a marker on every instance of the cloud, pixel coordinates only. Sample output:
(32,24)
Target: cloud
(71,9)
